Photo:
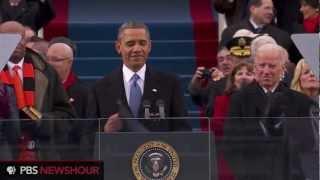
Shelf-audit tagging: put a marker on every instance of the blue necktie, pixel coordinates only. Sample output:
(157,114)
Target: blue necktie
(135,95)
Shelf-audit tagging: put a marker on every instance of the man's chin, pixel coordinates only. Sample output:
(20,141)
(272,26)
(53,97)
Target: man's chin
(227,70)
(268,21)
(137,66)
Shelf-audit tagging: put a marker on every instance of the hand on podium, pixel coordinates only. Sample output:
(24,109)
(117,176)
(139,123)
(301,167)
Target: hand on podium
(113,124)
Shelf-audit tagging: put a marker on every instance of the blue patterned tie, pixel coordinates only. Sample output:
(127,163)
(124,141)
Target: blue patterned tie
(135,95)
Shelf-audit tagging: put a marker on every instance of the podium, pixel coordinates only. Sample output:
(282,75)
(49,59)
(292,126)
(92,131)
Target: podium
(176,155)
(256,157)
(134,155)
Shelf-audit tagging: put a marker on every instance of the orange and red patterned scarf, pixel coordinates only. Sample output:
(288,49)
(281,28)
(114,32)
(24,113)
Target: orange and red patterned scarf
(25,94)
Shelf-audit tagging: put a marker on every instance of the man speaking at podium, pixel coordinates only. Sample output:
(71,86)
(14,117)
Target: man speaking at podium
(135,90)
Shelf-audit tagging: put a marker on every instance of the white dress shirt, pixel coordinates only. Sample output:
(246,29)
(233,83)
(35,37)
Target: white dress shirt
(265,90)
(20,71)
(255,25)
(127,75)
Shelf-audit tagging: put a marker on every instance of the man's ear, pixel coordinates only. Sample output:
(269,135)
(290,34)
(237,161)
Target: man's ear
(117,46)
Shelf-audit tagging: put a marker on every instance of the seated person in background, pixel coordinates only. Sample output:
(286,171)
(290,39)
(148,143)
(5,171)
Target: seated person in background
(311,15)
(135,84)
(305,81)
(238,50)
(39,99)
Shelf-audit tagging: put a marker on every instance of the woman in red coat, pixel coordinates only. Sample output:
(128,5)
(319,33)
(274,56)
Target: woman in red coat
(311,15)
(241,75)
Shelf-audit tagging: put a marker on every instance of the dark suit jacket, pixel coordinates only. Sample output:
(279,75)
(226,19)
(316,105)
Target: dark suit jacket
(32,13)
(50,133)
(4,99)
(110,90)
(249,104)
(205,97)
(288,14)
(280,36)
(234,11)
(78,97)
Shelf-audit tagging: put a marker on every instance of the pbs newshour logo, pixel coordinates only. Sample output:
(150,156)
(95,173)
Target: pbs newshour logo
(11,170)
(27,170)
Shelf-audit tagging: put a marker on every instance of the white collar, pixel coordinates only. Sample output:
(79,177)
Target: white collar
(254,24)
(11,64)
(272,89)
(128,73)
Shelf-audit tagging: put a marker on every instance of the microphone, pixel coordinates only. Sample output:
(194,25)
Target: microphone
(160,105)
(147,106)
(130,125)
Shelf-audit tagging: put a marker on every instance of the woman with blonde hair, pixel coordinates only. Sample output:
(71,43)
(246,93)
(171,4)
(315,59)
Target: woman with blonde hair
(305,81)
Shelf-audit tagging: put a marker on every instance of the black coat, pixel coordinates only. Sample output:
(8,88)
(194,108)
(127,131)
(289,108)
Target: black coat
(205,97)
(234,11)
(247,109)
(78,97)
(32,13)
(110,90)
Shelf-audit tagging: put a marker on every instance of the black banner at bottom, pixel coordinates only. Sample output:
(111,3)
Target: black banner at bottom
(51,170)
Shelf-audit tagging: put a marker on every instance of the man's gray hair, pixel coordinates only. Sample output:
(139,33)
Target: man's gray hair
(260,41)
(132,25)
(274,47)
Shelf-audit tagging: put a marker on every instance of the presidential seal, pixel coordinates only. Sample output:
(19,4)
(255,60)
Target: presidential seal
(155,160)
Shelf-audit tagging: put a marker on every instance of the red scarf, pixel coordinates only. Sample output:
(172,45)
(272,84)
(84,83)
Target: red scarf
(24,93)
(71,80)
(25,98)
